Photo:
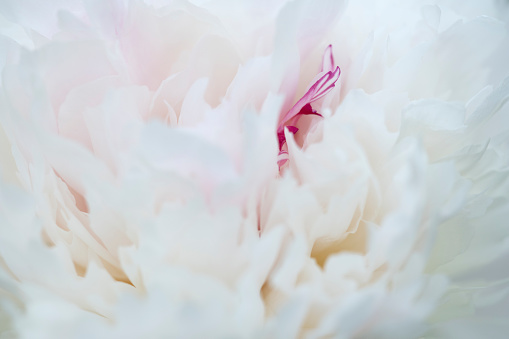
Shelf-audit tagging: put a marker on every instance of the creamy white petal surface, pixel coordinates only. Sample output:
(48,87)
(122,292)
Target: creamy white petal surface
(142,192)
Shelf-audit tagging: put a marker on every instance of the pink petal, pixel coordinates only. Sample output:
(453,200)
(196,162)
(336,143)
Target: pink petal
(320,87)
(292,129)
(282,158)
(328,60)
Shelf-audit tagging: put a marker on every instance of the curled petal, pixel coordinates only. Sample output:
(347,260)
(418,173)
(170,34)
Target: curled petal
(328,60)
(292,129)
(282,158)
(325,83)
(320,88)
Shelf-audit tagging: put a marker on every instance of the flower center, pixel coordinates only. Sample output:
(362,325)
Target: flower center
(327,78)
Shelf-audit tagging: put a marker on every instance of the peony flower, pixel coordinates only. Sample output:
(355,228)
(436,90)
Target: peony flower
(200,169)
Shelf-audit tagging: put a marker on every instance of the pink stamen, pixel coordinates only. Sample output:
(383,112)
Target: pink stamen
(303,106)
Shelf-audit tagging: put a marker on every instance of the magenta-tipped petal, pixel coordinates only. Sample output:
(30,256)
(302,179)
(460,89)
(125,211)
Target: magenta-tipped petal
(319,89)
(326,85)
(328,60)
(282,158)
(292,129)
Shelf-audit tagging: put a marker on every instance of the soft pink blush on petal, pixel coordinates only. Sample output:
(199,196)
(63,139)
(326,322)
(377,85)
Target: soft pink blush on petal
(326,81)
